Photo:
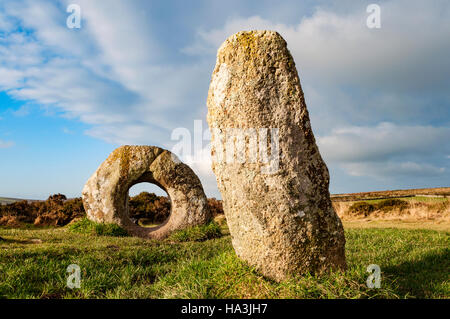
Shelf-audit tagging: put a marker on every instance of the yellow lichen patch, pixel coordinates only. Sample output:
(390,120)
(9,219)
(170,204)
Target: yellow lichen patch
(123,155)
(125,161)
(247,41)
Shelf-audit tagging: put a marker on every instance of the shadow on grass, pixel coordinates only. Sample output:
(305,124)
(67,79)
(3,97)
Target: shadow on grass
(422,277)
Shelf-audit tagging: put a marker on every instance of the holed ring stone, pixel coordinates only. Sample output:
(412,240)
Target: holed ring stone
(105,195)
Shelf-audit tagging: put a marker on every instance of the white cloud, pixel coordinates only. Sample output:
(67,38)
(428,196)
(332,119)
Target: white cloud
(387,150)
(201,165)
(9,78)
(381,142)
(5,24)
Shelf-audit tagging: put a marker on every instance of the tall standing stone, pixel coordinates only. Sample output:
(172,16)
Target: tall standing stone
(276,201)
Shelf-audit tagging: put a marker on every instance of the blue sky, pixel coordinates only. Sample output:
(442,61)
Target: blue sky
(379,99)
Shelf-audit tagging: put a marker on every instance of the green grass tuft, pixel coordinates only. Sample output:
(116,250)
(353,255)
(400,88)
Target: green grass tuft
(197,233)
(86,226)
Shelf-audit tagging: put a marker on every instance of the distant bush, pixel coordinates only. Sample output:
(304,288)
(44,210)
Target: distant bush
(365,208)
(21,212)
(216,206)
(361,208)
(57,210)
(155,209)
(197,233)
(85,226)
(392,203)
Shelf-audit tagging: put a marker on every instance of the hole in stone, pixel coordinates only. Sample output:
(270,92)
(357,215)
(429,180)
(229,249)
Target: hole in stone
(148,205)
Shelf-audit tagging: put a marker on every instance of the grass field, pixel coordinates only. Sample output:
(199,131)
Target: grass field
(415,263)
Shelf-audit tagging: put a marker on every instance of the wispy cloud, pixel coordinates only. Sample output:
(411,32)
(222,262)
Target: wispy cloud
(6,144)
(392,170)
(24,110)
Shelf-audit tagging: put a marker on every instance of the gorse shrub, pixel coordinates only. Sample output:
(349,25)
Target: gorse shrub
(21,211)
(361,208)
(85,226)
(57,210)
